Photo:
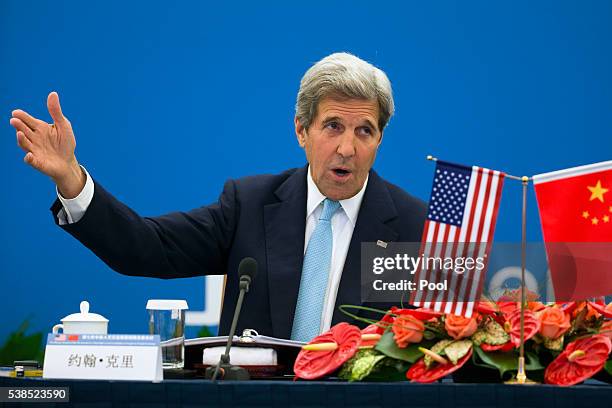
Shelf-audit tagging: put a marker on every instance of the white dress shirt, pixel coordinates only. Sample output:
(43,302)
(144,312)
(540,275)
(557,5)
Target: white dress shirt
(343,223)
(74,208)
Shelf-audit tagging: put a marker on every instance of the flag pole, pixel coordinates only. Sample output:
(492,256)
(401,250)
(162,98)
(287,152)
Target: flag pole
(510,176)
(521,375)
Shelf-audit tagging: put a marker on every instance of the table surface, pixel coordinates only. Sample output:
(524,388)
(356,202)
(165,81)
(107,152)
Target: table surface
(260,393)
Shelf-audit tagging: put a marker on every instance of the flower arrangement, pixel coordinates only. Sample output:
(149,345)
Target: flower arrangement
(564,343)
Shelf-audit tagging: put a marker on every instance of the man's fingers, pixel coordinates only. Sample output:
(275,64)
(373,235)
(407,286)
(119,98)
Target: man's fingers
(29,158)
(32,161)
(20,126)
(26,118)
(55,110)
(24,142)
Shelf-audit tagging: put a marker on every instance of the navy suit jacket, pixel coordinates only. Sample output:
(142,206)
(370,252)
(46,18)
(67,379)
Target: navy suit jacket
(260,216)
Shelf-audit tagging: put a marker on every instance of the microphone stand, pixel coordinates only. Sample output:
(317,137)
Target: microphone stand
(229,371)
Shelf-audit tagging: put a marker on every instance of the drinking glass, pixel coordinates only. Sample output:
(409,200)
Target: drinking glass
(167,318)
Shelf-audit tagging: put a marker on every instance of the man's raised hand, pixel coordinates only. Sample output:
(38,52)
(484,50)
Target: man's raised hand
(50,147)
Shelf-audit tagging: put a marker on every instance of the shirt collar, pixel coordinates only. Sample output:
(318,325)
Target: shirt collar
(350,205)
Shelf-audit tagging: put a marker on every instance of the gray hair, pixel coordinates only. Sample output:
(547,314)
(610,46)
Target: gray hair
(346,76)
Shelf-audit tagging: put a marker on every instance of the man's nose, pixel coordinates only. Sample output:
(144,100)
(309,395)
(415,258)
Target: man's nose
(346,148)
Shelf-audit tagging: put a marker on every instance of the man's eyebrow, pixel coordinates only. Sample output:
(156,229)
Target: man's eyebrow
(331,119)
(370,124)
(338,119)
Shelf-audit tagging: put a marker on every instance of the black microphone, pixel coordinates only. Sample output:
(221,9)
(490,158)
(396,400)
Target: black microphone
(247,271)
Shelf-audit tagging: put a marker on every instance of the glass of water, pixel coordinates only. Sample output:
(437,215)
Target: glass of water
(167,318)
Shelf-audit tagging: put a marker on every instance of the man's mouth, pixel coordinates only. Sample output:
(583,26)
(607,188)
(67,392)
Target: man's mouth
(341,172)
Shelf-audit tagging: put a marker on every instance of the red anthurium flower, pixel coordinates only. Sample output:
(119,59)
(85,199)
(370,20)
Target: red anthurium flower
(602,309)
(382,325)
(420,313)
(606,329)
(487,307)
(507,307)
(418,372)
(568,307)
(513,326)
(371,329)
(501,347)
(592,310)
(580,360)
(536,306)
(310,365)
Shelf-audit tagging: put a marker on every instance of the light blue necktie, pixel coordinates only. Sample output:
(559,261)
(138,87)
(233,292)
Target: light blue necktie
(315,272)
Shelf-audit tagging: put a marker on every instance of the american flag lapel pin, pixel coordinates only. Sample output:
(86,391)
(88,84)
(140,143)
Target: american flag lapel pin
(382,244)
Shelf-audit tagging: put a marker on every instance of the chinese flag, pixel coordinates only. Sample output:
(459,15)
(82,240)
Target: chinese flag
(576,210)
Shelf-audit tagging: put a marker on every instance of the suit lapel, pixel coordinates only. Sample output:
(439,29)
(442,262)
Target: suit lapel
(376,210)
(285,229)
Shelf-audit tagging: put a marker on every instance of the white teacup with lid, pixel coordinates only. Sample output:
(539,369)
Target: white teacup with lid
(83,323)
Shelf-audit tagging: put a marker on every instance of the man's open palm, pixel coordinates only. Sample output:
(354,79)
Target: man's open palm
(50,147)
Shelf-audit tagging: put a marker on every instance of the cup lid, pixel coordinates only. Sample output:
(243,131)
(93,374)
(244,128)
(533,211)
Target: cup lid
(166,304)
(84,316)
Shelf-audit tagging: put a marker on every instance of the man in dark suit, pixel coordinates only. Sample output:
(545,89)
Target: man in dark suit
(304,226)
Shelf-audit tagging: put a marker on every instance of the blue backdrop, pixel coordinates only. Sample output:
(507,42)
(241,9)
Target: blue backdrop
(170,99)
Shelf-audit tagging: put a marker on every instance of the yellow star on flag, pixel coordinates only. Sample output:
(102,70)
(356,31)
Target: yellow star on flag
(606,218)
(597,191)
(585,214)
(594,221)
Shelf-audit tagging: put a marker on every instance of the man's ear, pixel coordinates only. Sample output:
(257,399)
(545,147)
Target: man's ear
(300,132)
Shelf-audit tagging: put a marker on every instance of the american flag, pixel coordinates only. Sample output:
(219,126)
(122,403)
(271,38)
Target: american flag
(460,223)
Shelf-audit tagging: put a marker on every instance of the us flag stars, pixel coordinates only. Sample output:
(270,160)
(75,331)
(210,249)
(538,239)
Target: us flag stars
(448,196)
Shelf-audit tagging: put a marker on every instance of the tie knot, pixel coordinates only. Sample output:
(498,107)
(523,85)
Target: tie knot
(329,209)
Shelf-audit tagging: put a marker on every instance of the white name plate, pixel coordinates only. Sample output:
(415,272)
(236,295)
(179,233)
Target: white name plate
(103,357)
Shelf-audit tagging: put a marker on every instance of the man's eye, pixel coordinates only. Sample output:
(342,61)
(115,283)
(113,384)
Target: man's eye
(333,125)
(365,131)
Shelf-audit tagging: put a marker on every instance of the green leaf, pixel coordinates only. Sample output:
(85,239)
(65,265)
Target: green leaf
(19,346)
(554,344)
(360,365)
(205,332)
(491,333)
(533,362)
(437,348)
(411,354)
(457,349)
(428,335)
(389,369)
(608,367)
(505,362)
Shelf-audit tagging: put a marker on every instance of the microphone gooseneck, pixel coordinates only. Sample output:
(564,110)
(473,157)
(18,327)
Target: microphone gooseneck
(247,270)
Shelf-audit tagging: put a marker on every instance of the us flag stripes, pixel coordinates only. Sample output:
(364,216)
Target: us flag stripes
(460,224)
